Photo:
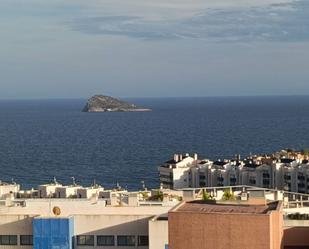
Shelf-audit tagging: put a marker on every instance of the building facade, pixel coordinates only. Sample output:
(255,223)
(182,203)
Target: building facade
(288,174)
(218,226)
(75,223)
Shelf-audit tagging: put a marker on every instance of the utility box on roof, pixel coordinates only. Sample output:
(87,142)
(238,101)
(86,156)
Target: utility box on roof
(51,233)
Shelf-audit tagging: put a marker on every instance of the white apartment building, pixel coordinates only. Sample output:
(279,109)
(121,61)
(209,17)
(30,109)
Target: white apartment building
(67,191)
(176,173)
(6,189)
(284,173)
(89,192)
(48,190)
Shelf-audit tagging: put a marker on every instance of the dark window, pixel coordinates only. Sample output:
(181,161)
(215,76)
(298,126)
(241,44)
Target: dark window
(220,179)
(266,181)
(8,240)
(287,177)
(126,240)
(252,181)
(233,179)
(143,241)
(266,175)
(85,240)
(26,240)
(105,240)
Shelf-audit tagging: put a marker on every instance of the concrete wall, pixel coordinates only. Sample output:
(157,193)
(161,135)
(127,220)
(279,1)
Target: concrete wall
(158,234)
(15,225)
(111,225)
(221,231)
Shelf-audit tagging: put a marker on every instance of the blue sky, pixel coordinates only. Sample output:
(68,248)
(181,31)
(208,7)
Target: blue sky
(138,48)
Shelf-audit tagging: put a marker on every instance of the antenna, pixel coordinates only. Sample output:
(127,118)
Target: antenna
(143,185)
(73,180)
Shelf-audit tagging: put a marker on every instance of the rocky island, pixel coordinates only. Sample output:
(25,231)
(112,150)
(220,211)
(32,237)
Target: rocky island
(101,103)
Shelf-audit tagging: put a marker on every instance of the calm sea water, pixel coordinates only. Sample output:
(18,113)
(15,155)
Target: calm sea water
(45,138)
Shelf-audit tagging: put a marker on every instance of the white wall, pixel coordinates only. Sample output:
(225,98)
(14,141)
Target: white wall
(158,234)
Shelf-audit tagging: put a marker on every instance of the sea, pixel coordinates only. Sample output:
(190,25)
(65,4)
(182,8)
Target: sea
(43,139)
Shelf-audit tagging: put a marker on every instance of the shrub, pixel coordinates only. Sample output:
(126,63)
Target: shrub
(228,195)
(206,196)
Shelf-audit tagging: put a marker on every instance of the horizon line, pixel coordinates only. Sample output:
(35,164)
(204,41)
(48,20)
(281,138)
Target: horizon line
(156,97)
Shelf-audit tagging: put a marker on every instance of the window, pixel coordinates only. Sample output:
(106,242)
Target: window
(105,240)
(143,241)
(126,240)
(8,240)
(26,240)
(85,240)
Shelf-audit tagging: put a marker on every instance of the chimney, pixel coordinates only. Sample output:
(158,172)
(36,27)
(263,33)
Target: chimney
(195,156)
(180,157)
(176,158)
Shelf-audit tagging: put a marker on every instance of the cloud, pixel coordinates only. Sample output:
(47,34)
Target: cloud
(286,21)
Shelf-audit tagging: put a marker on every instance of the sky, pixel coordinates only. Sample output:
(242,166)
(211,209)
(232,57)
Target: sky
(147,48)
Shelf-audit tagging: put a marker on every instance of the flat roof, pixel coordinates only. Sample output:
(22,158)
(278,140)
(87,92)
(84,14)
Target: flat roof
(207,207)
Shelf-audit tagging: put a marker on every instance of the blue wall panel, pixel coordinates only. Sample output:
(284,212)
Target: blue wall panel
(53,233)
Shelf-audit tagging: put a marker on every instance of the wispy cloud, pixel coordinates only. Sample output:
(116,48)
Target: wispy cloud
(286,21)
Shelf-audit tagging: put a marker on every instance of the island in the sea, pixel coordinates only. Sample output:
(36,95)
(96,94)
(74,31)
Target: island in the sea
(101,103)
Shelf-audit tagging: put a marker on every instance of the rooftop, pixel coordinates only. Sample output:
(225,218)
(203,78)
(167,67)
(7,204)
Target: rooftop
(208,207)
